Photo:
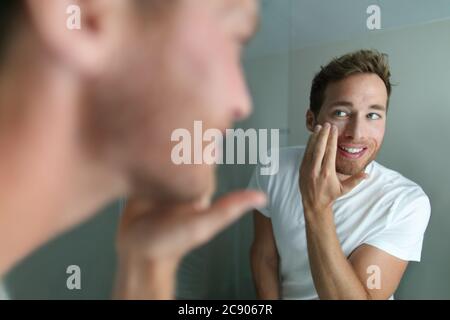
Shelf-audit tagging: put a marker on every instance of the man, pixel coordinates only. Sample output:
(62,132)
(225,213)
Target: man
(86,117)
(339,225)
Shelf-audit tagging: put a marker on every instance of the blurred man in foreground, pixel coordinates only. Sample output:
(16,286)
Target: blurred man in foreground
(86,117)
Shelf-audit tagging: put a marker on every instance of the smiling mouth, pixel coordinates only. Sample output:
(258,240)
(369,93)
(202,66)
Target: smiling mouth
(352,152)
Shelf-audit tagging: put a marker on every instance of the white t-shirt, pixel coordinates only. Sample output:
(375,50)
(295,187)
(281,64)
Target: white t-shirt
(387,211)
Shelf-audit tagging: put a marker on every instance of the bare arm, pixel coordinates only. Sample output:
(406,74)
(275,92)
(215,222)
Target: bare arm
(369,273)
(265,259)
(379,271)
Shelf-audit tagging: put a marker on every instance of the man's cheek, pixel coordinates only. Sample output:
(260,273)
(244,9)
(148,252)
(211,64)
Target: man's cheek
(377,138)
(340,128)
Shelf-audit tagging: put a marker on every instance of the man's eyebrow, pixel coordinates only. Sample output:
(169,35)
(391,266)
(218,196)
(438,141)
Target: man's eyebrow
(350,105)
(341,104)
(378,107)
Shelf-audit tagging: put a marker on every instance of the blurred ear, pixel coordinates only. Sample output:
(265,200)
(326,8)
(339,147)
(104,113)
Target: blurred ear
(310,120)
(82,49)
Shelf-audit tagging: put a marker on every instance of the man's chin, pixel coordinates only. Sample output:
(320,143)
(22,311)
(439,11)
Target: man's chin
(350,169)
(199,188)
(183,187)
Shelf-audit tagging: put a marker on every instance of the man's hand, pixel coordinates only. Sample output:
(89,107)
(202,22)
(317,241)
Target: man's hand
(153,239)
(319,183)
(335,276)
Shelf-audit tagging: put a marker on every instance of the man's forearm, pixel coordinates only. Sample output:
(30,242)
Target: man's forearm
(333,275)
(266,279)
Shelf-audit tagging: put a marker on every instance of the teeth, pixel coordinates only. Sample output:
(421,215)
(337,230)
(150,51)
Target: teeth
(352,150)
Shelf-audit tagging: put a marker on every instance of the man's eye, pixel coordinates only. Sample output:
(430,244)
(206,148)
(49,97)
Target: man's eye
(340,114)
(373,116)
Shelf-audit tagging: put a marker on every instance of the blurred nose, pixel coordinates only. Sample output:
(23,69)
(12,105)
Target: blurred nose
(241,101)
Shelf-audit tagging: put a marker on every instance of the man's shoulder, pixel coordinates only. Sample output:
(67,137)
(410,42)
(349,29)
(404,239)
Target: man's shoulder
(289,160)
(408,201)
(397,184)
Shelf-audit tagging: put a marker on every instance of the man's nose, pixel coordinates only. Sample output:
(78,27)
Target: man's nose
(242,104)
(354,129)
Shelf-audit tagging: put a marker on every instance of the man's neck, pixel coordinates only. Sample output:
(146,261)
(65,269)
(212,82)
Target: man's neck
(47,182)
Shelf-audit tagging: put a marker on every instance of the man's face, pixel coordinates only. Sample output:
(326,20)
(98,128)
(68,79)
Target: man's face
(357,106)
(168,74)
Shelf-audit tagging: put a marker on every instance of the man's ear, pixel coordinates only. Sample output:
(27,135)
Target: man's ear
(77,33)
(310,120)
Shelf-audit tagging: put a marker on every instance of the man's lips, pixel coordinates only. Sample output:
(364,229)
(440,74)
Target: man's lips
(352,151)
